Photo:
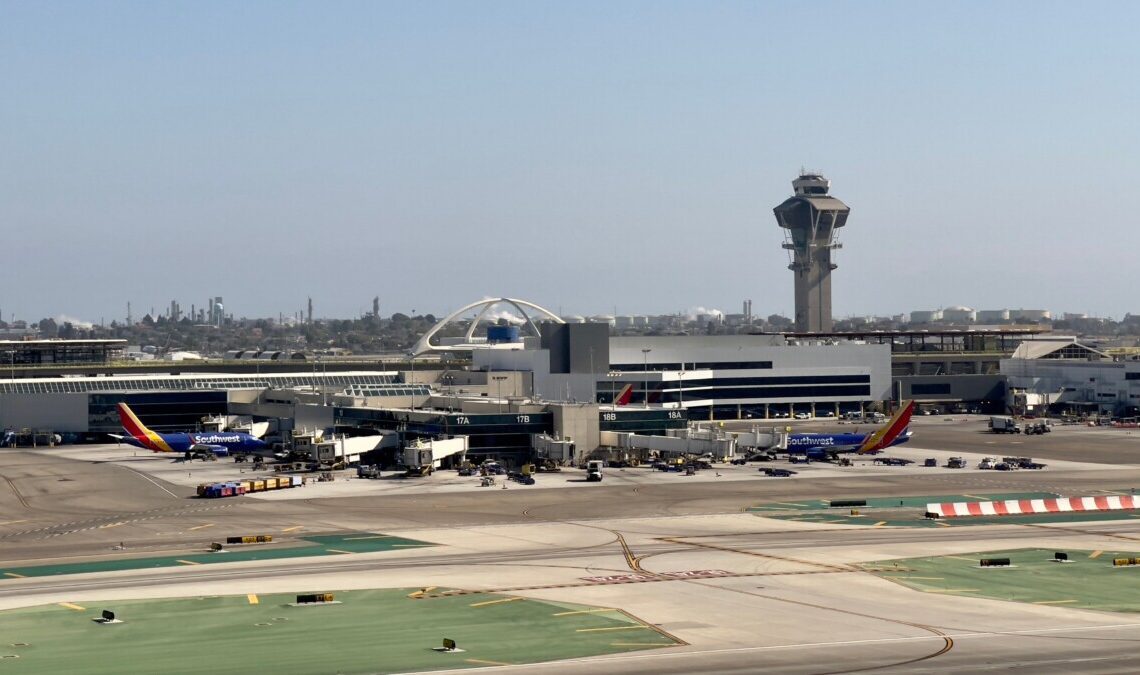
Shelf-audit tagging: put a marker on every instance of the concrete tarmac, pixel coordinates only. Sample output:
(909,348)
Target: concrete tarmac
(745,593)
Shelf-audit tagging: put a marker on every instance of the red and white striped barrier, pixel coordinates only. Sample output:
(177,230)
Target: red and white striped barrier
(1016,507)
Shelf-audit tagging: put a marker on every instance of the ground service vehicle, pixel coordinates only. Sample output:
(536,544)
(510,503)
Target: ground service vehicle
(594,470)
(1004,425)
(893,461)
(777,473)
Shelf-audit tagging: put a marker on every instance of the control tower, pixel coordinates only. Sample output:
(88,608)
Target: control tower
(810,219)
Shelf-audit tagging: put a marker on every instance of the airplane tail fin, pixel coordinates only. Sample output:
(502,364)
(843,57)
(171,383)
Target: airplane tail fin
(624,396)
(139,431)
(889,432)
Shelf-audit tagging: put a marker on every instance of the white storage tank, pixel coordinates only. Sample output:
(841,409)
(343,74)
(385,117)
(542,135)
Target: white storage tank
(992,315)
(959,314)
(925,316)
(1031,314)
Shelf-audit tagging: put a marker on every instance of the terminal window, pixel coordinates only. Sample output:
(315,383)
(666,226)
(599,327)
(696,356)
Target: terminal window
(937,389)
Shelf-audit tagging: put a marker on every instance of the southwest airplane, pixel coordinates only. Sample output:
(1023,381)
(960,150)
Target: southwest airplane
(190,444)
(827,446)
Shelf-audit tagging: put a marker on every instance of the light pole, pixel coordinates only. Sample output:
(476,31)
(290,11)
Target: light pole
(412,384)
(645,363)
(613,374)
(324,382)
(449,380)
(499,389)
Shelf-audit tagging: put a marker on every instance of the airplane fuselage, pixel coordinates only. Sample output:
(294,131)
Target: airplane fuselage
(232,441)
(800,444)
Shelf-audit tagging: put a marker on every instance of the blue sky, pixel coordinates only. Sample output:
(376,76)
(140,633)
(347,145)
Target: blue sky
(584,156)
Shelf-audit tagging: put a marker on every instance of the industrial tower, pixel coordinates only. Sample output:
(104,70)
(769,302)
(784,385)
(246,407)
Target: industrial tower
(810,219)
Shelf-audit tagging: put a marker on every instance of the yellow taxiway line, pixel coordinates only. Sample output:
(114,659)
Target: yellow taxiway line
(585,611)
(495,602)
(253,599)
(1095,554)
(201,527)
(292,529)
(1054,602)
(72,606)
(188,562)
(598,630)
(14,575)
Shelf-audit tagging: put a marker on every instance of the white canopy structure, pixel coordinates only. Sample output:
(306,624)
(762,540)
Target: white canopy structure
(483,306)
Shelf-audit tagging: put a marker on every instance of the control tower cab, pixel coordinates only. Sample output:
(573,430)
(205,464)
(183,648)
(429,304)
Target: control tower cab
(811,219)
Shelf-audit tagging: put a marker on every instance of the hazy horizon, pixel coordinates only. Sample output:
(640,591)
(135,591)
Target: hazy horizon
(583,156)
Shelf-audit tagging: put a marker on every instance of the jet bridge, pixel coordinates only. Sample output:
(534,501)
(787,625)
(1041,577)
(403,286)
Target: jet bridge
(760,439)
(423,456)
(665,446)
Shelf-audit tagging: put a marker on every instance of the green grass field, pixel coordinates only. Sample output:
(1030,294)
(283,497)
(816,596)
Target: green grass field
(374,631)
(1089,581)
(318,545)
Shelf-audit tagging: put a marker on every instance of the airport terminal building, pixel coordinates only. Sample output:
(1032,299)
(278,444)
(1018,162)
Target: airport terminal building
(562,385)
(1074,377)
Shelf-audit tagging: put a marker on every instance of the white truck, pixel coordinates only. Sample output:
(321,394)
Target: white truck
(594,470)
(1004,425)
